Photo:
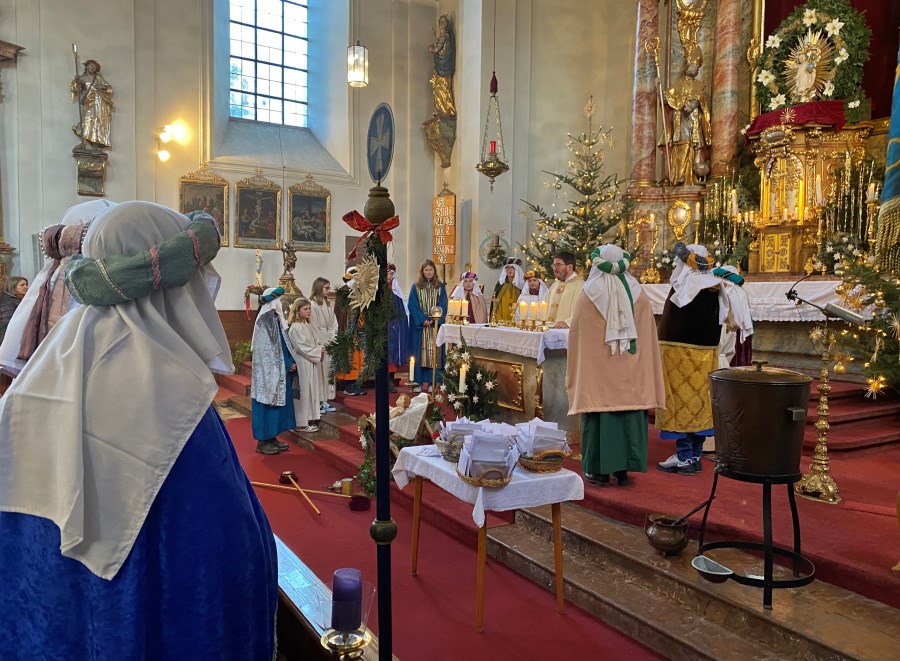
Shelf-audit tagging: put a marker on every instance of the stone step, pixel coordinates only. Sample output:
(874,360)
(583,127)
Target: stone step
(817,621)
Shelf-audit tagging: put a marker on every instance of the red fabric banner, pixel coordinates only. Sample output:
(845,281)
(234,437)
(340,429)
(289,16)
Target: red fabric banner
(829,113)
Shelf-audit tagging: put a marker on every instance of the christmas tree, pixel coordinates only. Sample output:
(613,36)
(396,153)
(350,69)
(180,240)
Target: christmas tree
(592,206)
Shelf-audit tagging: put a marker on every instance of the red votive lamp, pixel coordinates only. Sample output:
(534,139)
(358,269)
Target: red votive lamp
(346,600)
(493,146)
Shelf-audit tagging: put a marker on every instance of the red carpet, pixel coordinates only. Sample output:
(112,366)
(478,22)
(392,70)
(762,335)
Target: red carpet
(433,614)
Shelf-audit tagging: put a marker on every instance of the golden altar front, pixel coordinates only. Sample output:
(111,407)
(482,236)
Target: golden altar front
(530,367)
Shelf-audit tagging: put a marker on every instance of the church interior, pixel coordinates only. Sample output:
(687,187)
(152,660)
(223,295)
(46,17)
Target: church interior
(499,147)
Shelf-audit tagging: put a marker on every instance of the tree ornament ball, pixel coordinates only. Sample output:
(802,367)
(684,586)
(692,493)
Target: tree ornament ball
(840,368)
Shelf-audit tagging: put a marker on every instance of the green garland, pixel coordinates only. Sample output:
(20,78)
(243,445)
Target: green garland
(479,402)
(850,40)
(370,336)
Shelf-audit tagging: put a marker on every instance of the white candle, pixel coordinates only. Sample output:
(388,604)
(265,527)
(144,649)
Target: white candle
(523,311)
(734,202)
(465,308)
(870,196)
(533,311)
(463,372)
(453,310)
(544,309)
(412,369)
(820,199)
(784,215)
(772,204)
(696,211)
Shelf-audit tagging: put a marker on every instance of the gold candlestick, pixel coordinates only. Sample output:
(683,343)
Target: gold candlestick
(435,314)
(818,483)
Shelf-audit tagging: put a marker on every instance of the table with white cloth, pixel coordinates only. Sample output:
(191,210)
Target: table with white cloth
(530,367)
(526,489)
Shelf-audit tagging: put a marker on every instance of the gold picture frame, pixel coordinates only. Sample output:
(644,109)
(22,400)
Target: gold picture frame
(679,217)
(309,216)
(257,211)
(205,191)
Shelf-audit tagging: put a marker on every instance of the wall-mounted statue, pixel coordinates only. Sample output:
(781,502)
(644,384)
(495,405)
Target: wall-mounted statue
(690,124)
(440,130)
(95,107)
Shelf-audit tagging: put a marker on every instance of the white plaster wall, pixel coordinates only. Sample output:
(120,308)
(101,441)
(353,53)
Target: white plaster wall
(551,55)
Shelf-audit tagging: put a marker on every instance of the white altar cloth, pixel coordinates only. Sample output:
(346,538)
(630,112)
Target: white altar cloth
(530,344)
(526,489)
(767,299)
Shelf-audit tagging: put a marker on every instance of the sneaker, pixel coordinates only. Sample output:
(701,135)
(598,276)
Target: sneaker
(601,480)
(327,408)
(267,447)
(281,446)
(309,429)
(674,465)
(698,464)
(350,391)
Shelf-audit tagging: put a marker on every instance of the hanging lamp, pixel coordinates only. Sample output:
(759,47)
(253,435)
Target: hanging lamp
(493,154)
(357,65)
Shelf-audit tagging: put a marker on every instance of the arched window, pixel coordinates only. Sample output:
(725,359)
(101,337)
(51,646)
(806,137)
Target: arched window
(269,61)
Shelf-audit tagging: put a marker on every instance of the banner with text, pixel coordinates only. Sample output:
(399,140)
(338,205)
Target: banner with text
(443,224)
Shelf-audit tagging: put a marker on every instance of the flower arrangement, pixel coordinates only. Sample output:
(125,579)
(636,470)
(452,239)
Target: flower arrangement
(479,399)
(496,257)
(837,36)
(664,260)
(841,250)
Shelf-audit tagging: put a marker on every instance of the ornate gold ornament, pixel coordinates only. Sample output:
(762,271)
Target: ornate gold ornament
(366,284)
(809,67)
(679,217)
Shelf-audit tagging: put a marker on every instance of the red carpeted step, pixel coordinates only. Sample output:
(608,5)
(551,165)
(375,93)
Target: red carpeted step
(856,434)
(237,383)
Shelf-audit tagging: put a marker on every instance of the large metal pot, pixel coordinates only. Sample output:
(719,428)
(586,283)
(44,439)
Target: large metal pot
(759,416)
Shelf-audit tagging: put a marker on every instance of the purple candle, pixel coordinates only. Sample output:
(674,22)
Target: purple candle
(346,600)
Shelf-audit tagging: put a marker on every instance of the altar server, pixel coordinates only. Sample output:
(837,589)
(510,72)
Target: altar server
(535,291)
(564,290)
(469,290)
(128,529)
(507,290)
(272,406)
(325,324)
(308,353)
(614,389)
(398,331)
(427,292)
(689,338)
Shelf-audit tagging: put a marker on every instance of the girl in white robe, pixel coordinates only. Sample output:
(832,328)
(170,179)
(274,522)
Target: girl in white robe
(325,324)
(309,354)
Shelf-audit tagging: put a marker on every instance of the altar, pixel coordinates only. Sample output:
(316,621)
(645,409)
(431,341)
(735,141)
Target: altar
(530,367)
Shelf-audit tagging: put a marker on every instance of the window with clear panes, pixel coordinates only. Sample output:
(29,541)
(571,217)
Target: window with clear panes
(269,62)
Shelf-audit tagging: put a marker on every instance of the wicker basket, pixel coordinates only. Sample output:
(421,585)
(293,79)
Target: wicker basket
(449,449)
(549,461)
(485,481)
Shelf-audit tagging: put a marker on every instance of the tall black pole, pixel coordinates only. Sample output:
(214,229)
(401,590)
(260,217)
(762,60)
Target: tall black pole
(383,529)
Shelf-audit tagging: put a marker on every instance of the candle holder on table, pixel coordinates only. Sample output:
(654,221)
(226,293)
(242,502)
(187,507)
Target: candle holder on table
(435,315)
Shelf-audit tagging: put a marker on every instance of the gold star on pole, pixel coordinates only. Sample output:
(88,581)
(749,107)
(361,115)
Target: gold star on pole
(590,108)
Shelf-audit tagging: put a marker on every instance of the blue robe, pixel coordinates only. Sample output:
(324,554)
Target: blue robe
(417,318)
(398,338)
(200,582)
(268,421)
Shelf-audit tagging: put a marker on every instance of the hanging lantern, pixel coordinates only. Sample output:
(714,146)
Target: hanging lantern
(493,155)
(357,65)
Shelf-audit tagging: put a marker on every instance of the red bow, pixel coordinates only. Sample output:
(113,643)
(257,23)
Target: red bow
(358,222)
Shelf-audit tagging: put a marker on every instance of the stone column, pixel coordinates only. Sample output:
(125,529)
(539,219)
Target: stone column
(725,129)
(643,111)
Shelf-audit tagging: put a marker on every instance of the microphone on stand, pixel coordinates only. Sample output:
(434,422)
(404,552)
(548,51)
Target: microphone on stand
(791,294)
(829,309)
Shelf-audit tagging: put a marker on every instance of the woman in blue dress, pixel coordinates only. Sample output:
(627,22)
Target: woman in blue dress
(427,292)
(128,529)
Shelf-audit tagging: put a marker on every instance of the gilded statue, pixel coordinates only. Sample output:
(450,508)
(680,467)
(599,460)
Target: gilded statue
(290,256)
(691,133)
(809,68)
(95,107)
(444,52)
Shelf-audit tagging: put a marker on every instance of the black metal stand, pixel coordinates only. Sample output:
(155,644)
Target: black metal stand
(803,569)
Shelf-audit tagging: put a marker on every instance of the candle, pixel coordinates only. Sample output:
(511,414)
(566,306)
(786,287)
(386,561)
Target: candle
(523,310)
(696,211)
(453,308)
(465,309)
(533,311)
(772,204)
(734,202)
(544,309)
(493,146)
(346,600)
(652,223)
(784,215)
(870,195)
(75,49)
(463,373)
(412,369)
(820,199)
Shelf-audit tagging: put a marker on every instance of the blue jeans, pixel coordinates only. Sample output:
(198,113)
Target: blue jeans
(690,447)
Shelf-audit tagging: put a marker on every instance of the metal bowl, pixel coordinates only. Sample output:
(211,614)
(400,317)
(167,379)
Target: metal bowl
(711,570)
(665,535)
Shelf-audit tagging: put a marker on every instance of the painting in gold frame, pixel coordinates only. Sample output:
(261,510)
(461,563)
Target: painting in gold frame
(257,213)
(309,211)
(205,191)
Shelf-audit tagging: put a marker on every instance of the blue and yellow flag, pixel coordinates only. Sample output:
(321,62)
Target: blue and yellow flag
(887,243)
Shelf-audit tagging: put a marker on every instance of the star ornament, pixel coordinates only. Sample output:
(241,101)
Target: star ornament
(788,115)
(590,108)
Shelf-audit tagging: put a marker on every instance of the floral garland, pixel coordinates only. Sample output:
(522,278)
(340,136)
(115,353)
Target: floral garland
(845,28)
(496,257)
(479,401)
